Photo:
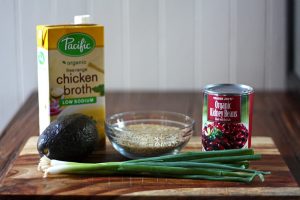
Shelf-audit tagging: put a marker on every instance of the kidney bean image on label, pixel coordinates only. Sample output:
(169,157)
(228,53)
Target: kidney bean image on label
(227,117)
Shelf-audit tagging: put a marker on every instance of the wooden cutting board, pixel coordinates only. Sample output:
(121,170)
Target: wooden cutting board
(23,179)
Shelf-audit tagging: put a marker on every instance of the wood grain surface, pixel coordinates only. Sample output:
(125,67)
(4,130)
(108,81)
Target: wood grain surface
(276,116)
(24,179)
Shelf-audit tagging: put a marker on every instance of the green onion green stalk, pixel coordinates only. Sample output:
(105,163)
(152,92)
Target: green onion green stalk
(225,165)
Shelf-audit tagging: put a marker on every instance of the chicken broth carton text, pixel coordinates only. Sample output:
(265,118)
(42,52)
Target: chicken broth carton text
(71,73)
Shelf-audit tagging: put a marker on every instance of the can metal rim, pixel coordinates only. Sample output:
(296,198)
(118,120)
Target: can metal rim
(228,89)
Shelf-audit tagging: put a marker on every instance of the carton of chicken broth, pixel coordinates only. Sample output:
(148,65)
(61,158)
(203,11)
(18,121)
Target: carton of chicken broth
(71,73)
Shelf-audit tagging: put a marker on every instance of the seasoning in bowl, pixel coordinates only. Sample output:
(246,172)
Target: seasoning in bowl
(147,134)
(150,139)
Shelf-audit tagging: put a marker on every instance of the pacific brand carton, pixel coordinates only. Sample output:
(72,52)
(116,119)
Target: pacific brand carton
(71,73)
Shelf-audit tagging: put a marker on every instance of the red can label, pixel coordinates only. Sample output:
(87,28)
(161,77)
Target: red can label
(224,108)
(226,121)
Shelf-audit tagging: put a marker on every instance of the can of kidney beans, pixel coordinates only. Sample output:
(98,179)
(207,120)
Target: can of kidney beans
(227,116)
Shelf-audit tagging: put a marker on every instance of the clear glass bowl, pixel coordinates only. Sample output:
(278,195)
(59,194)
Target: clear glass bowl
(149,133)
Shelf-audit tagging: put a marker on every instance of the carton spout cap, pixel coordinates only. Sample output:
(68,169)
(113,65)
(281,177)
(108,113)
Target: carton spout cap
(82,19)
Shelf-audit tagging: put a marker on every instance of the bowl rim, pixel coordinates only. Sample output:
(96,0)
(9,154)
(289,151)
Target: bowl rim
(186,125)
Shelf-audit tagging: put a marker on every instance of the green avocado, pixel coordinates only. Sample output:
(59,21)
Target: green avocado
(69,138)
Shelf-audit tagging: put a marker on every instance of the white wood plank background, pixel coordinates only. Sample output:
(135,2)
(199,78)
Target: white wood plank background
(153,44)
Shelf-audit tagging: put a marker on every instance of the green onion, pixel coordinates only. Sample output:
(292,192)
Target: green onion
(226,165)
(218,178)
(152,169)
(244,164)
(228,159)
(202,165)
(198,155)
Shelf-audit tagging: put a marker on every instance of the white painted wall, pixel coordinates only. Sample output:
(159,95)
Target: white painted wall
(153,44)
